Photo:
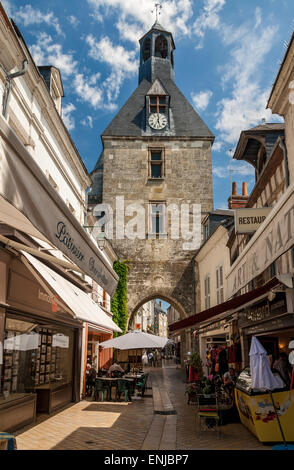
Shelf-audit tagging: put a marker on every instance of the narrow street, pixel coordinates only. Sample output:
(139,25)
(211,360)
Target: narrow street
(162,420)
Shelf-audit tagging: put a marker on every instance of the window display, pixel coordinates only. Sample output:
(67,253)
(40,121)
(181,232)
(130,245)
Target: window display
(32,357)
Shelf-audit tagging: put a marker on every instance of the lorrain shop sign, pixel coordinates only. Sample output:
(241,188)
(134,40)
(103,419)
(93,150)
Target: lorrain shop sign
(274,237)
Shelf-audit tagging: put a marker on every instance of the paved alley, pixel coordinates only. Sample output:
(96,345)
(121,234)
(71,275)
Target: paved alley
(162,420)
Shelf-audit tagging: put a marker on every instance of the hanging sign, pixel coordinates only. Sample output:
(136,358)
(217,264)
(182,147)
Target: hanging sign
(249,220)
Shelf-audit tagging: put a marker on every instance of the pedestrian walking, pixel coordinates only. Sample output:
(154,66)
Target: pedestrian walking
(151,359)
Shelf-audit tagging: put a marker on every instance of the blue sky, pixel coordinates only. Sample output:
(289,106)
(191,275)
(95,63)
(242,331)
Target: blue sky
(227,56)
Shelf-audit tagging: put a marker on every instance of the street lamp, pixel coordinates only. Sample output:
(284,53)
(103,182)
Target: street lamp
(101,241)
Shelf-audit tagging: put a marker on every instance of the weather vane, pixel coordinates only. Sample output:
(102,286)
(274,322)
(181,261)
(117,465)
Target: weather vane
(158,7)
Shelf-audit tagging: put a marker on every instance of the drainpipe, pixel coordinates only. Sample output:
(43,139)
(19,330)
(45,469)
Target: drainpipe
(9,78)
(287,181)
(283,147)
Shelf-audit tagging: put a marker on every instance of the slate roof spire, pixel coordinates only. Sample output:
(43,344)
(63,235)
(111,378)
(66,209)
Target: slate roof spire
(156,54)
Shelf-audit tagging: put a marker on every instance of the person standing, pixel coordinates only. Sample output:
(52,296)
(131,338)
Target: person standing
(283,367)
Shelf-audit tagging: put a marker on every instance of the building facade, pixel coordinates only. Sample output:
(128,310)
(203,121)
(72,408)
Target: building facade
(156,153)
(48,262)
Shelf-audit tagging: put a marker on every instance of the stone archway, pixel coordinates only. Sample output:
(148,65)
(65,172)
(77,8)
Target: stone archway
(156,295)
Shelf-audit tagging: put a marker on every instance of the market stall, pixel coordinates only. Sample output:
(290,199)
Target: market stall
(264,403)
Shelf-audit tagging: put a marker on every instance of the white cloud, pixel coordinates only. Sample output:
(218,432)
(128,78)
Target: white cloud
(73,21)
(217,146)
(28,16)
(175,15)
(201,99)
(238,169)
(67,117)
(116,56)
(45,52)
(87,122)
(88,91)
(245,106)
(208,19)
(122,63)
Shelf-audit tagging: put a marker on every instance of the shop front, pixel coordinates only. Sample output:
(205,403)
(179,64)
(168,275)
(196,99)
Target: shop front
(212,338)
(40,353)
(272,322)
(42,320)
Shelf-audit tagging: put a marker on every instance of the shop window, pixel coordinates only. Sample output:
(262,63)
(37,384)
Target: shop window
(156,164)
(207,291)
(219,285)
(34,356)
(161,47)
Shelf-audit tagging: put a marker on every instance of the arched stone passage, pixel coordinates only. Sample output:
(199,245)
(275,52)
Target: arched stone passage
(157,295)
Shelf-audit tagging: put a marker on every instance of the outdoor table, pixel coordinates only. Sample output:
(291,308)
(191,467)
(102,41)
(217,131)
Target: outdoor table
(7,441)
(111,384)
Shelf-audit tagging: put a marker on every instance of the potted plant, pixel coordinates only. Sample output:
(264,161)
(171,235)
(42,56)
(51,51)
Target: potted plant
(197,364)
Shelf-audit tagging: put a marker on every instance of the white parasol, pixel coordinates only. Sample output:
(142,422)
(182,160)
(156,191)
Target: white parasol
(135,340)
(261,374)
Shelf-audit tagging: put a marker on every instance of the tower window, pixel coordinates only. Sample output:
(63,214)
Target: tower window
(146,49)
(157,104)
(161,47)
(156,164)
(157,219)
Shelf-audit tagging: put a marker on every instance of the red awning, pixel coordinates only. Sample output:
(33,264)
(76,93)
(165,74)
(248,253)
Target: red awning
(232,304)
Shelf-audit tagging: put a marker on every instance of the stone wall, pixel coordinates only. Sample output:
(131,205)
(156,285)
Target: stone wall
(159,267)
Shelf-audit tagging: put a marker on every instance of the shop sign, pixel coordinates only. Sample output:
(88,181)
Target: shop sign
(215,326)
(249,220)
(274,238)
(263,311)
(60,341)
(272,325)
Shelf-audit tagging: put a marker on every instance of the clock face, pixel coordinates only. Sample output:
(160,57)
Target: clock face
(157,121)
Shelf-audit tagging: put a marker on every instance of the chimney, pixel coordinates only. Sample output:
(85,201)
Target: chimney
(244,189)
(238,202)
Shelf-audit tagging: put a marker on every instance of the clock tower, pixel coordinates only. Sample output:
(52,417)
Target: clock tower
(156,154)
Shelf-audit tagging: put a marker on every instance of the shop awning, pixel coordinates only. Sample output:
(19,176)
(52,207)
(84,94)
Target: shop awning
(228,306)
(77,301)
(29,203)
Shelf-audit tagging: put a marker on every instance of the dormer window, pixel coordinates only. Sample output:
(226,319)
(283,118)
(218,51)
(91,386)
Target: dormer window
(161,47)
(157,104)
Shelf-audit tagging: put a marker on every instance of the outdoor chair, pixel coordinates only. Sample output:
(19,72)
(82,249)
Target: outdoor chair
(122,386)
(100,386)
(142,385)
(208,414)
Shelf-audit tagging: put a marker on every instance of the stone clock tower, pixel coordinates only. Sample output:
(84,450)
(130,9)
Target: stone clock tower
(156,153)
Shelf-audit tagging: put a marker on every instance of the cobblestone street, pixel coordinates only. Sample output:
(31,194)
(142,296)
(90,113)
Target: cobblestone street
(133,426)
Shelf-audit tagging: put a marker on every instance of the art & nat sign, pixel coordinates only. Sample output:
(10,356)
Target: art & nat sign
(272,240)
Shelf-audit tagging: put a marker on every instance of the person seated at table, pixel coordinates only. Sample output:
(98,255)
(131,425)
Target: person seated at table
(115,367)
(90,379)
